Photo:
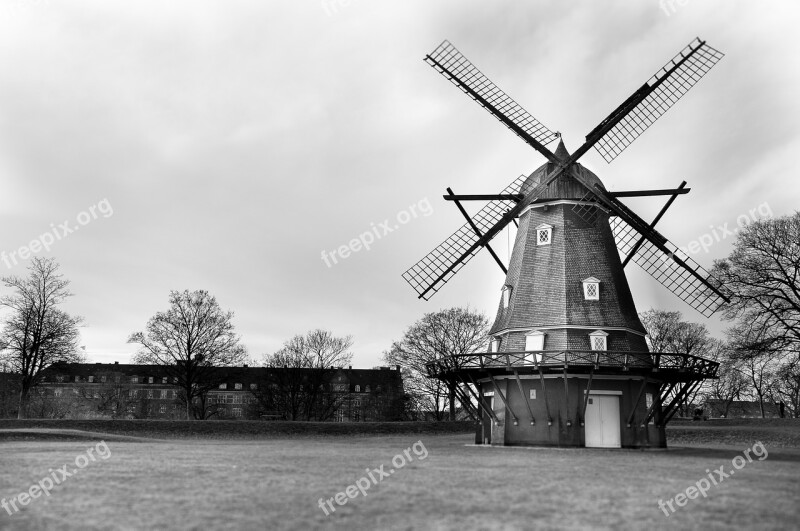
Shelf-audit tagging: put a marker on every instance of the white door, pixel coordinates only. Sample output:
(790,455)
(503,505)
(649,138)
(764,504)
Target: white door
(602,422)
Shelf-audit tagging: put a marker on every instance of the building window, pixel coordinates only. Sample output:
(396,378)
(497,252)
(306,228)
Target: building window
(237,412)
(57,392)
(339,417)
(91,379)
(134,379)
(150,380)
(103,379)
(164,394)
(358,389)
(237,386)
(223,386)
(77,378)
(366,389)
(164,380)
(253,387)
(598,340)
(149,393)
(133,393)
(544,234)
(494,345)
(162,409)
(506,296)
(60,378)
(533,394)
(591,289)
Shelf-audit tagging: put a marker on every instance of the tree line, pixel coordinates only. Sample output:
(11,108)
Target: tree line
(759,356)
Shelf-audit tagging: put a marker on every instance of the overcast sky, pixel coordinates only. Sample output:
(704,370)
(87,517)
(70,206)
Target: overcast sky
(235,141)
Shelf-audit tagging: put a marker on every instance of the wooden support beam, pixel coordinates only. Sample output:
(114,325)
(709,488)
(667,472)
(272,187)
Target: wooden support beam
(521,390)
(566,396)
(544,394)
(503,398)
(682,394)
(478,232)
(486,410)
(482,197)
(657,403)
(636,402)
(646,193)
(656,220)
(586,398)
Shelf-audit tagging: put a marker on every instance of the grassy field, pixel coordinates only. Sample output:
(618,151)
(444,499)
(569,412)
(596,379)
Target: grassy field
(275,483)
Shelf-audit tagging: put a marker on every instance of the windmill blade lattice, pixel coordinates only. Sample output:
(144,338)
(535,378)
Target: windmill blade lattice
(426,276)
(655,97)
(662,267)
(449,62)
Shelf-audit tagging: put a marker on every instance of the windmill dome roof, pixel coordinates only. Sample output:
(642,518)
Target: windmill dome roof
(565,186)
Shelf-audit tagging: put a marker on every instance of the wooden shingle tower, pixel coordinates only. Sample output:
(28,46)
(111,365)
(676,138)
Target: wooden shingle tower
(567,362)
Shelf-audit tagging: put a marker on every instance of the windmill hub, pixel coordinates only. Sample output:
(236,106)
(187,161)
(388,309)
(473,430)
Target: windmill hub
(567,344)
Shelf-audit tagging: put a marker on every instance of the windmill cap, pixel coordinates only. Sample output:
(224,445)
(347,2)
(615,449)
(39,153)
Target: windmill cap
(565,186)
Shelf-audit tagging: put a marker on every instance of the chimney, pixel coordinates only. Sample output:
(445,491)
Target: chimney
(116,363)
(350,367)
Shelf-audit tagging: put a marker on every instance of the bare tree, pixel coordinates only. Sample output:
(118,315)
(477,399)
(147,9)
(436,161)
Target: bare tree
(763,276)
(786,386)
(757,358)
(442,336)
(731,383)
(36,333)
(191,341)
(300,385)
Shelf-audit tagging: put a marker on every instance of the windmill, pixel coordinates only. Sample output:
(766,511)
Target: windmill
(566,313)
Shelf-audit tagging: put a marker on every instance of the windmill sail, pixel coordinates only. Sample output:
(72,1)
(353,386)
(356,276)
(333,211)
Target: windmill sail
(449,62)
(437,267)
(654,98)
(691,283)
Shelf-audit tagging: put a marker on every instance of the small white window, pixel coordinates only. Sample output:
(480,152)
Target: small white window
(533,394)
(648,400)
(77,378)
(57,392)
(598,340)
(506,296)
(237,386)
(494,345)
(164,394)
(103,379)
(253,387)
(358,389)
(134,379)
(150,380)
(91,379)
(223,386)
(591,289)
(544,234)
(162,409)
(164,379)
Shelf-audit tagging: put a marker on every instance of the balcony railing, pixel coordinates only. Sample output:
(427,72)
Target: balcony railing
(576,359)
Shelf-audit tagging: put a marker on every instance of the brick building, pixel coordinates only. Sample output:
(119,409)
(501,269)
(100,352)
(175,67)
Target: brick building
(70,390)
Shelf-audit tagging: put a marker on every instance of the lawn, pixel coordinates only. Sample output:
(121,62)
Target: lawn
(276,483)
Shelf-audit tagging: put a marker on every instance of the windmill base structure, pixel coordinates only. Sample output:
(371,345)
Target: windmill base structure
(568,363)
(610,399)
